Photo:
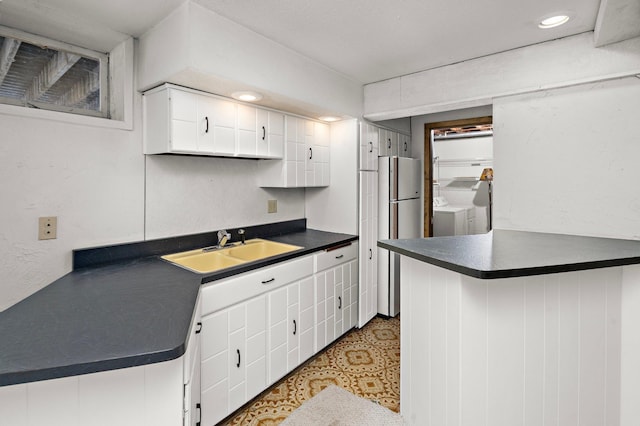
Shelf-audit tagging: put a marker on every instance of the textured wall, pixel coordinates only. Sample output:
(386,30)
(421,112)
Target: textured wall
(566,160)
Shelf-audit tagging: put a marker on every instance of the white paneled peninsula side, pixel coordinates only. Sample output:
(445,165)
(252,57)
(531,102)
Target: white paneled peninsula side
(515,327)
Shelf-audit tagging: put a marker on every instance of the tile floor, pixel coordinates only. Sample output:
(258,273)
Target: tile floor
(365,362)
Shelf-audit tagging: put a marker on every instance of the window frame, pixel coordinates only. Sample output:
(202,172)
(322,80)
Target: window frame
(44,42)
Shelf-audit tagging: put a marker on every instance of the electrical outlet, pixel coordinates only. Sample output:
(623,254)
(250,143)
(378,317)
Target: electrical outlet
(47,228)
(272,206)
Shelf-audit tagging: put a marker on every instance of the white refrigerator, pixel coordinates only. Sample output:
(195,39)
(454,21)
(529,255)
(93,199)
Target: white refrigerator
(399,208)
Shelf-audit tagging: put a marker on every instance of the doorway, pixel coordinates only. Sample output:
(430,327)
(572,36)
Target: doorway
(429,129)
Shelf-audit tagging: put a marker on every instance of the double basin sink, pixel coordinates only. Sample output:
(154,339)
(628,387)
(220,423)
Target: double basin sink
(214,259)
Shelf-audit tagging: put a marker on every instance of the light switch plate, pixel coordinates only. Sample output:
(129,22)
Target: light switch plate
(47,228)
(272,206)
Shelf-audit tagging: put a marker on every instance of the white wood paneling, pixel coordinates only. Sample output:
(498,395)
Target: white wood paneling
(13,404)
(540,350)
(114,398)
(630,343)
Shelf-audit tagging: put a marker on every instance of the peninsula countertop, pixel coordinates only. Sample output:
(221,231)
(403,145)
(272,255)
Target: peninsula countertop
(506,253)
(122,306)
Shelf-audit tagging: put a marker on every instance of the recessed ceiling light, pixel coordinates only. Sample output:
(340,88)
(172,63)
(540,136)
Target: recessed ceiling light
(247,96)
(329,118)
(553,21)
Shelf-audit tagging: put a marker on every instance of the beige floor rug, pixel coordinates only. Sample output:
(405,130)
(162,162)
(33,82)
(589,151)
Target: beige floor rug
(335,406)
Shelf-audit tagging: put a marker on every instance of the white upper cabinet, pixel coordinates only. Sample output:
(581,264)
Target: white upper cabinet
(260,132)
(369,148)
(216,122)
(317,154)
(184,121)
(388,142)
(404,145)
(393,143)
(306,156)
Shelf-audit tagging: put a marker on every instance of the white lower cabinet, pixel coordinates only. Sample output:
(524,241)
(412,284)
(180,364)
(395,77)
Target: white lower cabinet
(336,287)
(245,326)
(233,358)
(290,325)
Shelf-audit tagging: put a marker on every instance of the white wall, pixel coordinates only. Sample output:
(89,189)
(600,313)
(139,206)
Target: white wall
(568,160)
(91,178)
(335,208)
(92,175)
(188,195)
(558,63)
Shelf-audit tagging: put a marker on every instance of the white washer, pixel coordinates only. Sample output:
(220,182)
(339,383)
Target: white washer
(449,220)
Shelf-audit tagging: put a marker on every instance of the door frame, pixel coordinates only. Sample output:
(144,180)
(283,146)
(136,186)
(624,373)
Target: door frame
(428,162)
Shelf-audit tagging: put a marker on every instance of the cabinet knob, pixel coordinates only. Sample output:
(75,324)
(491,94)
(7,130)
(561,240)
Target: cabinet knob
(370,146)
(268,281)
(370,254)
(264,133)
(198,328)
(295,327)
(339,302)
(405,147)
(340,256)
(206,121)
(238,364)
(310,153)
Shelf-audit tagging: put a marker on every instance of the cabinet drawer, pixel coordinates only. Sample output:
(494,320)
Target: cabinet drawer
(221,294)
(332,257)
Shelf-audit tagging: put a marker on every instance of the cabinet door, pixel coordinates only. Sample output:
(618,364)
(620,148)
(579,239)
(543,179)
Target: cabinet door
(277,338)
(247,124)
(394,139)
(404,145)
(269,134)
(275,132)
(388,142)
(233,368)
(216,125)
(306,306)
(368,229)
(310,176)
(184,127)
(368,147)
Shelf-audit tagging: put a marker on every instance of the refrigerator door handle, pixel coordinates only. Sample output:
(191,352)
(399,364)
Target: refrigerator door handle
(394,221)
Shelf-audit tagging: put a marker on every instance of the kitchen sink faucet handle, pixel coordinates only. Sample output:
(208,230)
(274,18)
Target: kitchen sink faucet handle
(241,233)
(223,237)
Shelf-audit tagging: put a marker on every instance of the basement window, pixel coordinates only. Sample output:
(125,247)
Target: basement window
(36,72)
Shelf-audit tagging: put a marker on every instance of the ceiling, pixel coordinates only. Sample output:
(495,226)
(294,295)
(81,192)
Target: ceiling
(366,40)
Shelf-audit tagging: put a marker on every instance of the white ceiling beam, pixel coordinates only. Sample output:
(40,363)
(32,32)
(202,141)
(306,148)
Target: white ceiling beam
(51,73)
(8,52)
(617,20)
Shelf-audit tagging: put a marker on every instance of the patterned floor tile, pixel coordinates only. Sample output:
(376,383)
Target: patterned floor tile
(365,362)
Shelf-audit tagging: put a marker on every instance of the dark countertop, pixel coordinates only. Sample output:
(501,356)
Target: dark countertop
(124,313)
(505,254)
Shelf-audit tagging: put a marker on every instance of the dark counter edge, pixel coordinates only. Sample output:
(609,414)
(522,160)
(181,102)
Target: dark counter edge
(121,254)
(21,377)
(511,273)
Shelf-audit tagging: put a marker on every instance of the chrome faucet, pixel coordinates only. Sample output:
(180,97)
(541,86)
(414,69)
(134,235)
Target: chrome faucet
(223,237)
(241,233)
